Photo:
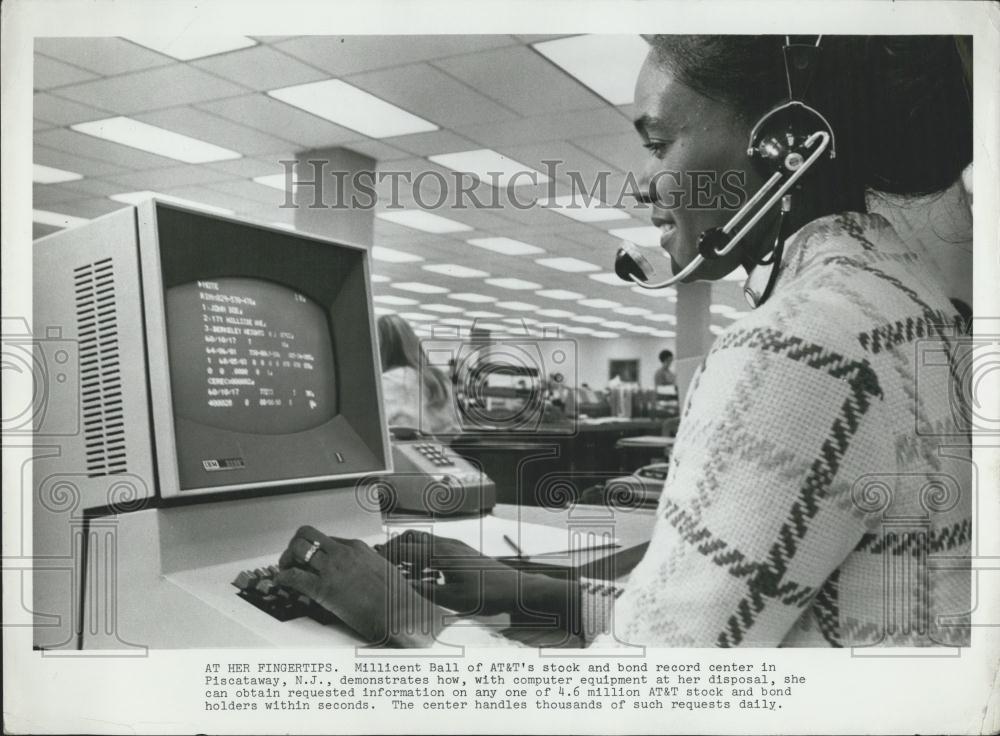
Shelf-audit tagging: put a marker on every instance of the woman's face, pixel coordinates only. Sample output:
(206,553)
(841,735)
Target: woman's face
(698,163)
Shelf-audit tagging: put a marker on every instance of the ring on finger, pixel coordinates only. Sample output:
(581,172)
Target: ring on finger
(310,552)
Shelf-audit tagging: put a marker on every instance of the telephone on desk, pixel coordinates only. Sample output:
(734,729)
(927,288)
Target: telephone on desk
(646,483)
(429,477)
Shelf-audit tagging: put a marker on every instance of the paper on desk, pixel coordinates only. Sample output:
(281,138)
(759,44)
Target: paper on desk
(486,534)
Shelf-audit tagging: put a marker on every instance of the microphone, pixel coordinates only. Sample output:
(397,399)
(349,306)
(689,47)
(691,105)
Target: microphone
(632,266)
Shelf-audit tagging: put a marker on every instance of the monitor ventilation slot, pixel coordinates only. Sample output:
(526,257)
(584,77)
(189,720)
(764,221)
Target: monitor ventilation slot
(100,369)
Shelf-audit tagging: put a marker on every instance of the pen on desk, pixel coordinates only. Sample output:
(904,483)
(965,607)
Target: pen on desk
(513,546)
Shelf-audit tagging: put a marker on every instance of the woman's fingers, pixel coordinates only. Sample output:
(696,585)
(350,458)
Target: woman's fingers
(414,536)
(303,581)
(311,533)
(407,547)
(301,551)
(412,554)
(447,595)
(309,542)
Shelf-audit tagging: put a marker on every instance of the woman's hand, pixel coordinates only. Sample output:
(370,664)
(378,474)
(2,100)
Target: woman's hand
(350,579)
(473,584)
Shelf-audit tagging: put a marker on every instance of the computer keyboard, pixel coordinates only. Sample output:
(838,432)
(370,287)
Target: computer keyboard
(259,588)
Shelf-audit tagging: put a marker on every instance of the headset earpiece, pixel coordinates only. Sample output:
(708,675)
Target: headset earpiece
(780,139)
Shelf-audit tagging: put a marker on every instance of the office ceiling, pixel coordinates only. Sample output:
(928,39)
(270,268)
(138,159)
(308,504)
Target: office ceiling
(480,92)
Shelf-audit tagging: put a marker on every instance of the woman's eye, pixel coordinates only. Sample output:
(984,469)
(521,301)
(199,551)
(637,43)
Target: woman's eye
(657,148)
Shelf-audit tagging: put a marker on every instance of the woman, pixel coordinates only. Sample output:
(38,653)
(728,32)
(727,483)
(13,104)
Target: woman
(818,461)
(416,394)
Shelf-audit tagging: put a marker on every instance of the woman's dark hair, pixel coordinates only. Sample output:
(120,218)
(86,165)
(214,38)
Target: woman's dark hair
(400,348)
(900,106)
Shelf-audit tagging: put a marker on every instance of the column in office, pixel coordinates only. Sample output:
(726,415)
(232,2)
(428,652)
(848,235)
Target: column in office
(325,207)
(694,338)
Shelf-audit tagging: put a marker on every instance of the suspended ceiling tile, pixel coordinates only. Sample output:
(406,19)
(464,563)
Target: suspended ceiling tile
(446,189)
(527,196)
(276,118)
(428,144)
(537,37)
(378,150)
(485,220)
(260,68)
(39,230)
(248,168)
(593,237)
(58,111)
(522,80)
(90,207)
(214,129)
(46,194)
(425,91)
(407,175)
(273,39)
(252,191)
(537,216)
(570,162)
(622,150)
(519,229)
(242,206)
(153,89)
(104,56)
(342,55)
(623,189)
(77,164)
(52,73)
(389,229)
(168,178)
(93,187)
(434,250)
(86,145)
(561,126)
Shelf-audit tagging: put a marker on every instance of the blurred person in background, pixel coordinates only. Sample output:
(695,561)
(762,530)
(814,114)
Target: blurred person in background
(664,376)
(416,394)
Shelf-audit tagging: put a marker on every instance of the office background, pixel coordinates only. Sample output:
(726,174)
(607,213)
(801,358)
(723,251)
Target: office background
(527,99)
(419,105)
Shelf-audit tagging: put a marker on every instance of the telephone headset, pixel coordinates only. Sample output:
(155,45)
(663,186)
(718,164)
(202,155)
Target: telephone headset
(786,142)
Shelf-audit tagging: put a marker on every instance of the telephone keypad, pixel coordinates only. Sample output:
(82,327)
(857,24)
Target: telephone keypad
(435,454)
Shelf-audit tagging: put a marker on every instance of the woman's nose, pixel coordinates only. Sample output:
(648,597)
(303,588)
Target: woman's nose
(646,195)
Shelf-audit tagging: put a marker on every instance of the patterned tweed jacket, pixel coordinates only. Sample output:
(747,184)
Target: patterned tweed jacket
(819,491)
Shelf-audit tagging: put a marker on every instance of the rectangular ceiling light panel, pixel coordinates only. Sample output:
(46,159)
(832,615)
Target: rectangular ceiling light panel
(350,107)
(153,139)
(491,168)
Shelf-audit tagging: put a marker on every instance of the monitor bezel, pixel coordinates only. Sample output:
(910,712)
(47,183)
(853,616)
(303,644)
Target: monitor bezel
(157,357)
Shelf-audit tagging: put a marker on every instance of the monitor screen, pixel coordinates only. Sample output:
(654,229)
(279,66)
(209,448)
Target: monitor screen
(268,354)
(249,355)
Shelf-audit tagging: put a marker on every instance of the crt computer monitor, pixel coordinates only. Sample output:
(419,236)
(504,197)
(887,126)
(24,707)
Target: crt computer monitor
(190,359)
(191,365)
(214,355)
